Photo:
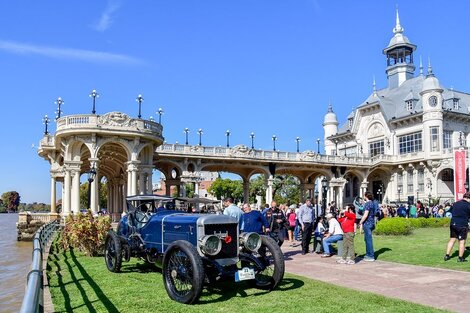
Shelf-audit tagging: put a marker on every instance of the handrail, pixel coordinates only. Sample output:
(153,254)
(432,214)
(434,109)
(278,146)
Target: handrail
(33,300)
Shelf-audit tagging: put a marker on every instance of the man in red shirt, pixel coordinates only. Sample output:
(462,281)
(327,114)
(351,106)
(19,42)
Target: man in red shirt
(347,220)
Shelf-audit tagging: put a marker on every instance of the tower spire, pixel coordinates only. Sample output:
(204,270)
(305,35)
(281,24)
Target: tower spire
(398,28)
(429,68)
(420,65)
(374,87)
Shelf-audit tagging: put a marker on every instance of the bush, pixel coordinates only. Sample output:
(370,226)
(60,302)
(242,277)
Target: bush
(85,233)
(394,226)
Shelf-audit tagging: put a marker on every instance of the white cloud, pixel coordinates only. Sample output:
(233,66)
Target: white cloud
(66,53)
(106,18)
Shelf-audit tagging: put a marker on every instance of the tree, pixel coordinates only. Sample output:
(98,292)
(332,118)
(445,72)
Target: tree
(103,194)
(11,200)
(223,188)
(257,188)
(286,189)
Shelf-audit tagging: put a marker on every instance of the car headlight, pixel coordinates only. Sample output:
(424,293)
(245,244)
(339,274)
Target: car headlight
(251,241)
(211,244)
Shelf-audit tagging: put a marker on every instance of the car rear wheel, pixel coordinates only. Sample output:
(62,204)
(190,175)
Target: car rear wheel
(183,273)
(113,252)
(270,255)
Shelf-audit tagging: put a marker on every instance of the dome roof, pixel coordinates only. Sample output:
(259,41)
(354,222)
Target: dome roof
(398,39)
(431,82)
(330,116)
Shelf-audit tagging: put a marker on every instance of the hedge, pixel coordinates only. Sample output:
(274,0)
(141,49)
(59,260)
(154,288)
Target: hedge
(404,226)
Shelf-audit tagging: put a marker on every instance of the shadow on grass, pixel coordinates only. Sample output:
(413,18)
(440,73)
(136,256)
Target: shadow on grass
(140,268)
(227,290)
(99,293)
(60,282)
(376,253)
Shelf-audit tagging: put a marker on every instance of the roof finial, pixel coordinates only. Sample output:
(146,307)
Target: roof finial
(420,65)
(398,28)
(429,68)
(330,107)
(374,87)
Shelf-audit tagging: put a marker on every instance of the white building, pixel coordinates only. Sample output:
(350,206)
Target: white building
(413,125)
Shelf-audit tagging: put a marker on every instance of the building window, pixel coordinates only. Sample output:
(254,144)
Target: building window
(350,123)
(421,180)
(400,180)
(410,143)
(447,139)
(409,105)
(447,175)
(455,104)
(409,181)
(434,138)
(376,147)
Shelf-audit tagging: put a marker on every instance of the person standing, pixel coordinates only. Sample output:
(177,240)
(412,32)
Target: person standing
(367,225)
(253,221)
(232,210)
(306,218)
(277,221)
(348,224)
(459,226)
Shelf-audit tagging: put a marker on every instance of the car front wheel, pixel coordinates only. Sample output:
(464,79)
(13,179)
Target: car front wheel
(113,252)
(183,272)
(270,255)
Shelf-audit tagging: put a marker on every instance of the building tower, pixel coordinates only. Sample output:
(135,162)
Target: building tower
(330,128)
(399,54)
(431,99)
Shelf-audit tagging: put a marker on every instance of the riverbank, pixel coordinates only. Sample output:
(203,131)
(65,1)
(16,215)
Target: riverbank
(15,263)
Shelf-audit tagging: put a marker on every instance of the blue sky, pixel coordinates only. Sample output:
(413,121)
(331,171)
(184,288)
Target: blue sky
(265,66)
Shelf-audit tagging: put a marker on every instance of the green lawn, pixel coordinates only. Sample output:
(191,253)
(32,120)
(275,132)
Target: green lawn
(426,246)
(83,284)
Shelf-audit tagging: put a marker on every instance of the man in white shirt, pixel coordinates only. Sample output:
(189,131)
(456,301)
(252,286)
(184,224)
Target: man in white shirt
(335,233)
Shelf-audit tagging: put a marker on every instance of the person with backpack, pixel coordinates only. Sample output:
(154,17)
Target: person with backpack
(367,225)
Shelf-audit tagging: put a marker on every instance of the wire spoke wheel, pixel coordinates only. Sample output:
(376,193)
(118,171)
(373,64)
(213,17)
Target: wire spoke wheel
(270,255)
(113,252)
(183,273)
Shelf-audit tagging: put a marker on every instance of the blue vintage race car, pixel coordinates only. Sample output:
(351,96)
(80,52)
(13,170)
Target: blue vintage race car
(191,249)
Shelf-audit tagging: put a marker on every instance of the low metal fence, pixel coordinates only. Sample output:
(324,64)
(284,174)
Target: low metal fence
(33,300)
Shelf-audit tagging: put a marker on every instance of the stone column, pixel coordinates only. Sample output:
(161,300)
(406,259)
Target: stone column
(340,198)
(142,189)
(302,192)
(76,192)
(53,195)
(269,190)
(66,203)
(246,190)
(168,188)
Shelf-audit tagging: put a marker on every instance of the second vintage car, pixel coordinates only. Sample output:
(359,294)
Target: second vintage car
(191,249)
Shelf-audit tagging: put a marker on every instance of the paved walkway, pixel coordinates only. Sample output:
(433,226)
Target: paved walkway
(439,288)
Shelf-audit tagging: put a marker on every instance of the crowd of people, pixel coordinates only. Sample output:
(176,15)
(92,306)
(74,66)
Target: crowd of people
(306,223)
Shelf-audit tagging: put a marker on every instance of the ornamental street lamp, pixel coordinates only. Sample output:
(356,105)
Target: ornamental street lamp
(417,195)
(298,141)
(139,99)
(227,133)
(200,136)
(399,191)
(318,145)
(324,184)
(91,178)
(186,131)
(59,103)
(46,121)
(94,95)
(252,135)
(336,146)
(160,113)
(274,142)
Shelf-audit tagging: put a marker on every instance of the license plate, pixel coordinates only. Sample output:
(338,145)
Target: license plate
(245,274)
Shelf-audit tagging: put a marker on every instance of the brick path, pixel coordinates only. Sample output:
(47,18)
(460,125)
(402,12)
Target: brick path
(439,288)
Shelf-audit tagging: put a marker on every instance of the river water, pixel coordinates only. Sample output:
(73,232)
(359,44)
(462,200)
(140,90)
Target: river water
(15,263)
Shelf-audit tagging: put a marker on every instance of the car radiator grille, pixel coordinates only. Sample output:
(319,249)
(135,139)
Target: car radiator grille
(229,250)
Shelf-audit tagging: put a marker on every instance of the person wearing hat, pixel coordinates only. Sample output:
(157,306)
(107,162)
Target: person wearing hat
(334,234)
(459,226)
